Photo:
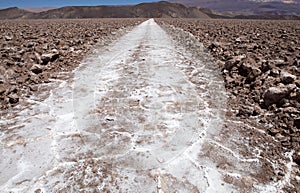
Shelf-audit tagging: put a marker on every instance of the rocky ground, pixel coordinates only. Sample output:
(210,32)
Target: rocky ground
(33,51)
(259,61)
(260,64)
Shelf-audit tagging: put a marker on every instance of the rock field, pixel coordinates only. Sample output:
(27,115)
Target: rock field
(33,51)
(260,63)
(258,59)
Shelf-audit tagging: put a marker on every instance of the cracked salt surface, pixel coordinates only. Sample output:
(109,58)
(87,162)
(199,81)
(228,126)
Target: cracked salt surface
(132,120)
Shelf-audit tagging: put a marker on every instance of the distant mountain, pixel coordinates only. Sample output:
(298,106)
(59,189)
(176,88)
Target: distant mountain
(13,13)
(282,1)
(145,10)
(248,7)
(38,10)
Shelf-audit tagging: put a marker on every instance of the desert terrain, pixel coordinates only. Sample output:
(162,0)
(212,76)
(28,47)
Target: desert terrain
(35,51)
(129,105)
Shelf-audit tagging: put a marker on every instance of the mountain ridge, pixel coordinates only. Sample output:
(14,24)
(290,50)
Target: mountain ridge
(248,7)
(161,9)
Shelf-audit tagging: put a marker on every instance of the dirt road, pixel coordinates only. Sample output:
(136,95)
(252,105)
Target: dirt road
(137,116)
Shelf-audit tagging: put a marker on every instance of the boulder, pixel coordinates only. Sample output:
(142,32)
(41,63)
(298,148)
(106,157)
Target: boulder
(286,77)
(274,95)
(246,69)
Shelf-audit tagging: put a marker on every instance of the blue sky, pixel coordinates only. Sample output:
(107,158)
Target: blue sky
(61,3)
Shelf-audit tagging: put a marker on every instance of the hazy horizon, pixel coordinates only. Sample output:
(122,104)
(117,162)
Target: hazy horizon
(60,3)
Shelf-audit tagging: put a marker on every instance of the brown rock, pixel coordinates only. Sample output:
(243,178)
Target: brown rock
(22,79)
(2,89)
(274,131)
(33,87)
(296,158)
(9,62)
(38,58)
(245,111)
(274,72)
(13,98)
(247,181)
(281,137)
(286,77)
(1,79)
(274,94)
(8,38)
(247,69)
(230,64)
(297,123)
(297,82)
(36,69)
(13,89)
(30,44)
(46,58)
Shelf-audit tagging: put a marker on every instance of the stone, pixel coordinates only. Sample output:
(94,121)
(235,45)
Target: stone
(296,158)
(274,72)
(38,58)
(286,77)
(8,38)
(21,79)
(265,66)
(238,40)
(256,71)
(9,62)
(275,94)
(2,80)
(46,58)
(247,181)
(36,69)
(30,44)
(229,64)
(298,96)
(2,89)
(246,69)
(297,123)
(33,87)
(273,131)
(245,111)
(13,98)
(281,137)
(297,82)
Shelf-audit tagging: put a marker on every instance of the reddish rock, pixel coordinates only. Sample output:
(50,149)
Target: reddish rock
(275,94)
